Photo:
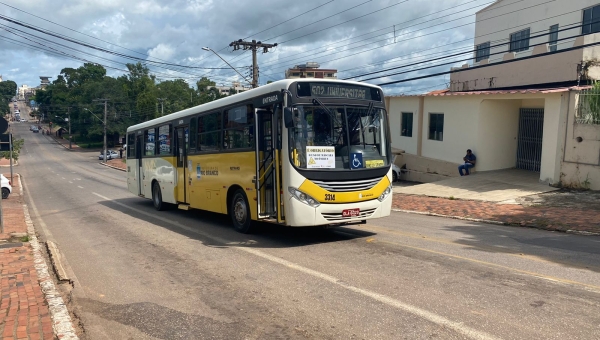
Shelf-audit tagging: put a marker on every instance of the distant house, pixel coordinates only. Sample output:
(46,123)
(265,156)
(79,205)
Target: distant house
(310,70)
(525,101)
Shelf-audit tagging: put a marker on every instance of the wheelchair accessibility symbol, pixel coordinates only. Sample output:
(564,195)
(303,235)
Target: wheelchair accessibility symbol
(357,161)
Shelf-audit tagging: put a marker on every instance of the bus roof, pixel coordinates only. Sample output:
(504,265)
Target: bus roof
(229,100)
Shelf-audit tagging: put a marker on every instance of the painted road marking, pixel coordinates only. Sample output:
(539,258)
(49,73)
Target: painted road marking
(80,187)
(458,327)
(70,182)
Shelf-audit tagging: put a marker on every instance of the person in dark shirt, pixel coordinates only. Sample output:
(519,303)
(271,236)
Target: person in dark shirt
(469,163)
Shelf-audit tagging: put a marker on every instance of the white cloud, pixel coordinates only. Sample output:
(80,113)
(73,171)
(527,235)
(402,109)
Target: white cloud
(162,52)
(176,30)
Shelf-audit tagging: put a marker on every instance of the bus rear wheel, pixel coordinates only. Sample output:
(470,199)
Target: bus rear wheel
(157,197)
(239,211)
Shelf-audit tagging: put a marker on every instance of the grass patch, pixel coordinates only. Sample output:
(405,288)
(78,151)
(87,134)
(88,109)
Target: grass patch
(24,239)
(451,198)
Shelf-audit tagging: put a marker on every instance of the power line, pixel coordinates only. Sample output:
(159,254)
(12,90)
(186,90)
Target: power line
(346,10)
(327,47)
(471,58)
(431,33)
(494,64)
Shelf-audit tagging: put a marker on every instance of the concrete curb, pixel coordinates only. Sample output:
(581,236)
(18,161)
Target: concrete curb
(15,163)
(61,320)
(111,166)
(575,232)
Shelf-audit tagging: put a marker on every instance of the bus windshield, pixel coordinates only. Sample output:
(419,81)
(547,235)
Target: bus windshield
(338,137)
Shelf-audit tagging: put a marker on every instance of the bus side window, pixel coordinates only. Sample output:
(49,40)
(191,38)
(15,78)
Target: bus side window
(131,145)
(238,125)
(193,133)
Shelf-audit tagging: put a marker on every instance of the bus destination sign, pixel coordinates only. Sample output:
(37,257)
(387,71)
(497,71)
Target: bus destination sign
(328,90)
(336,90)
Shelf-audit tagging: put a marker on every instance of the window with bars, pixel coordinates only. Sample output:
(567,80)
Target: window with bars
(553,38)
(482,51)
(519,41)
(436,126)
(406,125)
(591,20)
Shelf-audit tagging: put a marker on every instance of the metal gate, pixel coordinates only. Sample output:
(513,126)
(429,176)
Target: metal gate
(529,147)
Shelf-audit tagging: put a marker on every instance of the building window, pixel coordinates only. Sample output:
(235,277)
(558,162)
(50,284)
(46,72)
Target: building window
(482,51)
(436,126)
(407,124)
(591,20)
(553,38)
(519,41)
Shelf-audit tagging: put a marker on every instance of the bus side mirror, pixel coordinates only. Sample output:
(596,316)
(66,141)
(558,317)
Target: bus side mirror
(288,119)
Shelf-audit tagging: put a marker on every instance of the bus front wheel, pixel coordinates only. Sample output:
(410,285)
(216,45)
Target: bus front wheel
(157,197)
(240,212)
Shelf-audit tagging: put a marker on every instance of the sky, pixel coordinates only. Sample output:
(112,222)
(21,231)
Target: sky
(41,37)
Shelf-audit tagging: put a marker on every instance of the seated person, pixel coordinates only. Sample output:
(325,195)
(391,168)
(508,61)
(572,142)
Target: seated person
(469,163)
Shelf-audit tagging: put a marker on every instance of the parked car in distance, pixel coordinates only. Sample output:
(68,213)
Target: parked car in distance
(35,129)
(110,155)
(6,186)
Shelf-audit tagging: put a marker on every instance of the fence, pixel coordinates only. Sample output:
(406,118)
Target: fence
(588,106)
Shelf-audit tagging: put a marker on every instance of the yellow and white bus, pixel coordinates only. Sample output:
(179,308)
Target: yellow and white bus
(296,152)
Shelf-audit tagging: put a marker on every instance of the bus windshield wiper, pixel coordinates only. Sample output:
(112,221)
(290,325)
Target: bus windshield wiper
(318,101)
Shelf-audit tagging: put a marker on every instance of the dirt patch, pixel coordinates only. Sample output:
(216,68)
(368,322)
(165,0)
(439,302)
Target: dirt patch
(564,198)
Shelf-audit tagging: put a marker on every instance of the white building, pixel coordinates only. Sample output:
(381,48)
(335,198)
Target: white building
(532,112)
(236,86)
(310,70)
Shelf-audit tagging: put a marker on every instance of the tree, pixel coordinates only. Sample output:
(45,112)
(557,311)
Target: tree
(8,89)
(17,145)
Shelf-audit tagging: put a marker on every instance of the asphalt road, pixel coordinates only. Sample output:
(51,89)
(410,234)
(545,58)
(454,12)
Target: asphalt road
(143,274)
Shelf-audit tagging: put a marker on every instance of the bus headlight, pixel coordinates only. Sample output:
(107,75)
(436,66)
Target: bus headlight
(385,193)
(304,198)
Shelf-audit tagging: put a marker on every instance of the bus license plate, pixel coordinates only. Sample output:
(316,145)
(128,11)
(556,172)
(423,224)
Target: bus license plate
(350,212)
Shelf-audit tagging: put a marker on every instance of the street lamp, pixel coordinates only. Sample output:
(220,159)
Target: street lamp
(104,123)
(209,49)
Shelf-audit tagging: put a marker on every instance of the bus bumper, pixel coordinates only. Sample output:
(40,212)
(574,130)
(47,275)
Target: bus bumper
(300,215)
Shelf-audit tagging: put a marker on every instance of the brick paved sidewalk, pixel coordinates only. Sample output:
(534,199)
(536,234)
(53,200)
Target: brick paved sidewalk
(548,218)
(24,313)
(30,305)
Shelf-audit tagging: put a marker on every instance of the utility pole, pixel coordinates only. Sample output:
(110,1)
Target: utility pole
(69,118)
(105,117)
(253,46)
(162,107)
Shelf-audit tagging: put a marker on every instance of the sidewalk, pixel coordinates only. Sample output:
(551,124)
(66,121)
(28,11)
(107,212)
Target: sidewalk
(564,217)
(25,311)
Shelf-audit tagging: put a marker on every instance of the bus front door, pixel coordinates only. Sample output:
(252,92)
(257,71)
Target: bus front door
(181,151)
(266,165)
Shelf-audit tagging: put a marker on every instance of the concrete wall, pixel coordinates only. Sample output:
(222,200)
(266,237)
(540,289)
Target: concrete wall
(497,133)
(395,108)
(554,111)
(496,22)
(461,124)
(489,125)
(554,68)
(580,165)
